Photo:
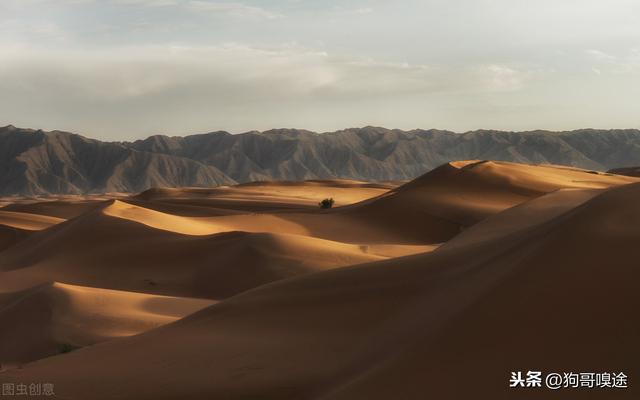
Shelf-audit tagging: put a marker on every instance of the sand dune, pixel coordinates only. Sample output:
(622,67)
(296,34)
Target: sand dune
(471,190)
(54,318)
(161,261)
(629,171)
(9,236)
(538,271)
(269,196)
(200,225)
(164,221)
(429,210)
(438,205)
(26,221)
(397,328)
(68,209)
(523,217)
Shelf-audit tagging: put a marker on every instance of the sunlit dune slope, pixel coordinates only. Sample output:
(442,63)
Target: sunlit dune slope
(53,318)
(200,226)
(266,196)
(314,223)
(127,253)
(26,221)
(560,296)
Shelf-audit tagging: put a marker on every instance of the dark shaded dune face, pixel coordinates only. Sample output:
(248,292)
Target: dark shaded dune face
(630,171)
(9,236)
(25,333)
(342,183)
(564,300)
(58,209)
(522,218)
(168,193)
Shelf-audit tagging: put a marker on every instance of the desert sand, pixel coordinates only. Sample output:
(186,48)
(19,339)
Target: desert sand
(436,288)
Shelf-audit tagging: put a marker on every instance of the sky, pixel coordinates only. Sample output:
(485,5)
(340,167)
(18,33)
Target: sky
(126,69)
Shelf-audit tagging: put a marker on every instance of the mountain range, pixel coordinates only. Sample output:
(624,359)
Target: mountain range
(35,162)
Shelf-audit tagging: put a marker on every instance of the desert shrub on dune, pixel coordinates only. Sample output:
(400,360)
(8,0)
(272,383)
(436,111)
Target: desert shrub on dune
(326,203)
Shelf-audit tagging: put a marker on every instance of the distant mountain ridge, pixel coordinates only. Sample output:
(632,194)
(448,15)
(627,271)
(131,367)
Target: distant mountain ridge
(34,162)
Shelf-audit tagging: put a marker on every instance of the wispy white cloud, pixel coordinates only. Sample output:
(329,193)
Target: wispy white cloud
(206,6)
(148,3)
(503,78)
(17,29)
(234,9)
(601,55)
(287,70)
(354,11)
(619,64)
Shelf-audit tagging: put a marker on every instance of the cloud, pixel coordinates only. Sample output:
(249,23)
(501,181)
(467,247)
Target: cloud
(601,55)
(244,71)
(18,29)
(205,6)
(202,6)
(182,87)
(234,9)
(353,11)
(147,3)
(24,4)
(618,64)
(503,78)
(364,10)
